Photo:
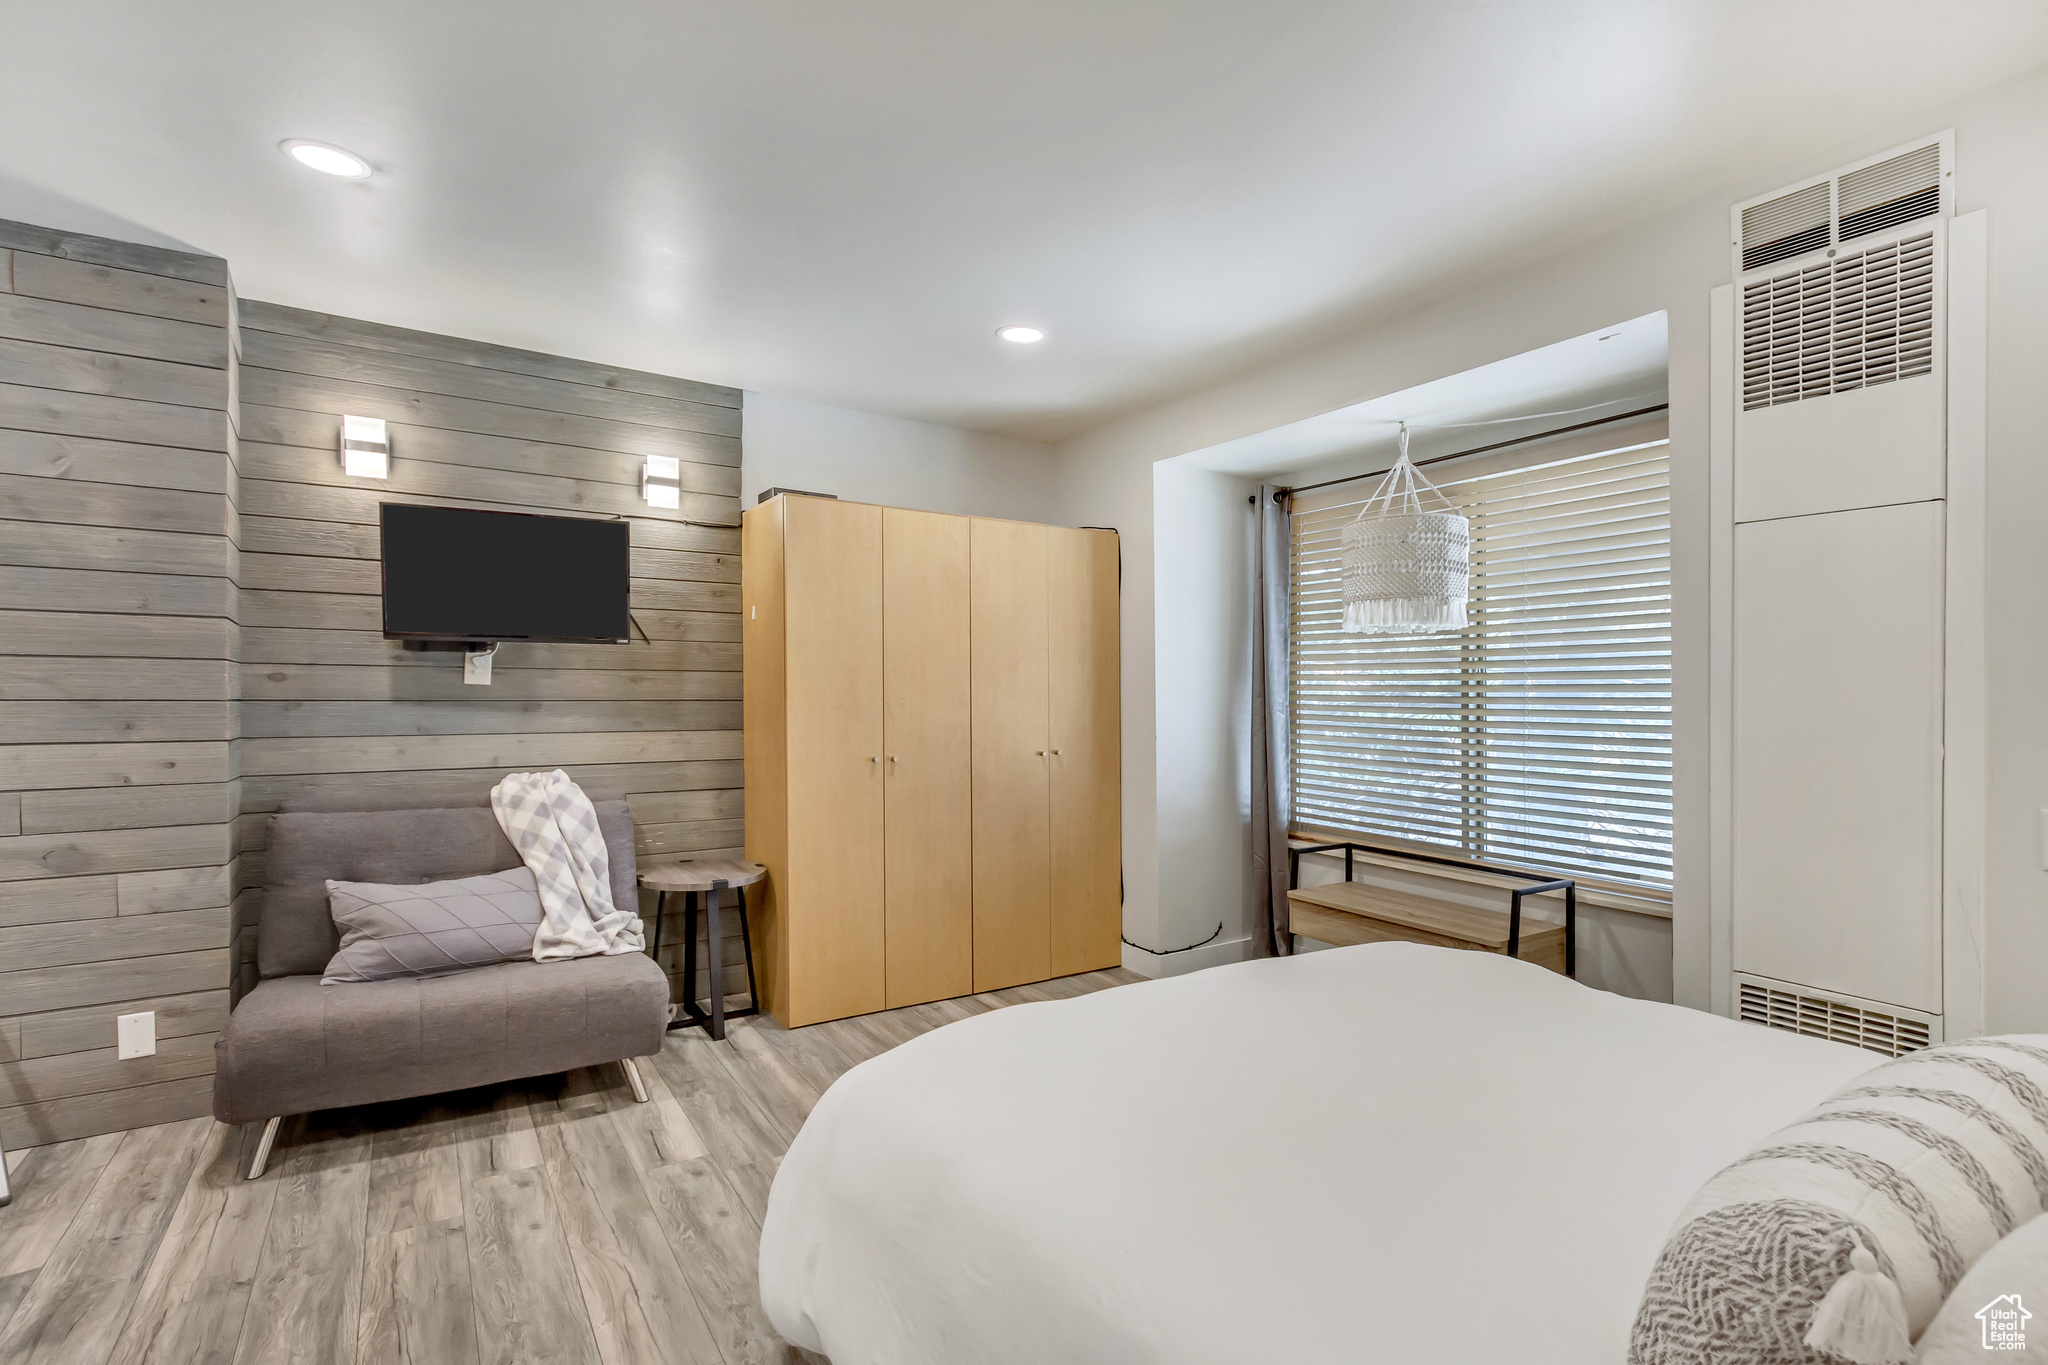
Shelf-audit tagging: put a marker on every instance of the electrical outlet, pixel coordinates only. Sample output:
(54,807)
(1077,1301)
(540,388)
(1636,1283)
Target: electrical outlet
(135,1035)
(476,668)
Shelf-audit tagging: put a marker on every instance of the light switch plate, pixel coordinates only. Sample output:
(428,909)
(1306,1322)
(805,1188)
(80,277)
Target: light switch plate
(135,1035)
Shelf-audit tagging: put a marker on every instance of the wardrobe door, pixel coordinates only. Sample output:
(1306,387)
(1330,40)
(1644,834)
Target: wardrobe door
(832,564)
(1012,834)
(1086,767)
(927,765)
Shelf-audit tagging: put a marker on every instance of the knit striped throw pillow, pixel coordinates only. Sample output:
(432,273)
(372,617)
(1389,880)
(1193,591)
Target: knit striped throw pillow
(1838,1238)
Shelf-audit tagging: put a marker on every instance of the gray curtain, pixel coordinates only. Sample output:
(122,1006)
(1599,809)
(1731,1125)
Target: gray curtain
(1272,549)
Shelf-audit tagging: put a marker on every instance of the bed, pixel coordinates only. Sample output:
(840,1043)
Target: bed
(1387,1153)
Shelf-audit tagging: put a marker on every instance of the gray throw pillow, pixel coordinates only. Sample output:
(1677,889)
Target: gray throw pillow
(433,927)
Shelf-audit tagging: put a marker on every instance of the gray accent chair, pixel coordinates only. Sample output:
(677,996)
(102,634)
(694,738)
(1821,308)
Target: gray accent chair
(293,1045)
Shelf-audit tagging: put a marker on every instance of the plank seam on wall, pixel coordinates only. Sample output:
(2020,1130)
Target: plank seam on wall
(334,360)
(78,246)
(270,317)
(313,428)
(285,645)
(118,334)
(65,412)
(354,540)
(86,459)
(70,369)
(265,388)
(115,289)
(321,502)
(278,460)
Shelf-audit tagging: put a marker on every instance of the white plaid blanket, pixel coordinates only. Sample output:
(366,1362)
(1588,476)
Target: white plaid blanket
(553,825)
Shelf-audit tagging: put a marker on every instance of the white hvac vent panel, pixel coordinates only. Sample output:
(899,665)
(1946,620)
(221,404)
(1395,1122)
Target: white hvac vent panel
(1841,307)
(1790,225)
(1860,320)
(1811,220)
(1897,190)
(1843,379)
(1839,1018)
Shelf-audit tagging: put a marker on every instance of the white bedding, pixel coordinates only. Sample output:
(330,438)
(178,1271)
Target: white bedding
(1389,1153)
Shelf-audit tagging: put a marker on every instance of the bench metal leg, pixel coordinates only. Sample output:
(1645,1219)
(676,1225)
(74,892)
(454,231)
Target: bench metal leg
(262,1157)
(633,1079)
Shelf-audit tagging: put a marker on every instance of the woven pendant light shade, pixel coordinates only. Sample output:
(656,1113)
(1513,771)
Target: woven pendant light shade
(1407,564)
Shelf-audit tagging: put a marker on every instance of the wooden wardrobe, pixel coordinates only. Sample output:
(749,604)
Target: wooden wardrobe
(932,754)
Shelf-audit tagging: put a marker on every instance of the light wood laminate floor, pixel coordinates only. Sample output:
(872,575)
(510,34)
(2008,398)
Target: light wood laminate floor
(551,1220)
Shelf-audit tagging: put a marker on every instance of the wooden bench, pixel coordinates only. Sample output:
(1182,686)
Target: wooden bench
(1354,912)
(1350,912)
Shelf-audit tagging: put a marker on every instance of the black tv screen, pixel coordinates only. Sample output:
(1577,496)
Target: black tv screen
(455,574)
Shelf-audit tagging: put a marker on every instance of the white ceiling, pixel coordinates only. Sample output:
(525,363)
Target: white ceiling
(841,201)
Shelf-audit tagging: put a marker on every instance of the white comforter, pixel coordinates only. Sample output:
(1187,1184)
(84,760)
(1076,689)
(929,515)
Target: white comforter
(1390,1153)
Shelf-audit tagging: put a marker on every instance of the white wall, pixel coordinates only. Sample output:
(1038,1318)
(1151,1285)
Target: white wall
(864,457)
(1668,262)
(1202,551)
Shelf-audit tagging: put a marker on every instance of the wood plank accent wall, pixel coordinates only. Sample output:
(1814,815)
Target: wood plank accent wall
(333,715)
(189,634)
(118,641)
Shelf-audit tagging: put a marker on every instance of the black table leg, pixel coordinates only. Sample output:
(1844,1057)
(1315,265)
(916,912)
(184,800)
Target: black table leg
(687,1012)
(712,944)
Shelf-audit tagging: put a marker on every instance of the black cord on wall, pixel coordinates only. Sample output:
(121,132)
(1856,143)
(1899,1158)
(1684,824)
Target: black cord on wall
(1167,952)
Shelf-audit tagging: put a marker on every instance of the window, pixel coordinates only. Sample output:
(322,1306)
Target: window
(1540,736)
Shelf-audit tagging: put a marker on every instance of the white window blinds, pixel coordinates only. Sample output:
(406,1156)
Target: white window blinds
(1540,736)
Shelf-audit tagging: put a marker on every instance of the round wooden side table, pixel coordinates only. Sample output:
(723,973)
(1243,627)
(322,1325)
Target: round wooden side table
(705,880)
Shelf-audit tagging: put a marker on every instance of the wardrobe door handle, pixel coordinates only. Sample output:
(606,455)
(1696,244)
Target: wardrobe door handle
(1055,753)
(894,759)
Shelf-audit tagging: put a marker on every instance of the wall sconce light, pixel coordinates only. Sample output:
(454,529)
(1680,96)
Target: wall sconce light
(365,449)
(661,481)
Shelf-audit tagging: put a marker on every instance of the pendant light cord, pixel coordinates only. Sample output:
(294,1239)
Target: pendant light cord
(1497,445)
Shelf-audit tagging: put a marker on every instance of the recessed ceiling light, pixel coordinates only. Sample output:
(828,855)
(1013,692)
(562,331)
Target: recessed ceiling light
(326,159)
(1022,335)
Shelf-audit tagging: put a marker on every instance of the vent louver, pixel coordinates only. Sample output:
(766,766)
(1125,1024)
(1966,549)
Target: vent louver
(1889,193)
(1817,1016)
(1840,325)
(1790,225)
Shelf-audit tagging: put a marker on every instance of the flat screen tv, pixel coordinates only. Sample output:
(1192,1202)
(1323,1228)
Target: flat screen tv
(455,574)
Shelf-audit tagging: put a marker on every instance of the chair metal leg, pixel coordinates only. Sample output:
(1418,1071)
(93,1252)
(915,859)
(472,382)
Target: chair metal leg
(6,1193)
(633,1079)
(262,1157)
